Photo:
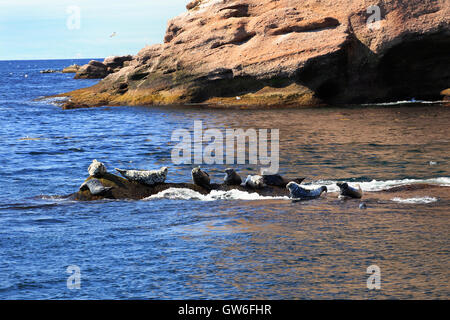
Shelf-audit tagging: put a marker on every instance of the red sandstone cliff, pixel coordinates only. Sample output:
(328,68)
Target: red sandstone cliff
(288,52)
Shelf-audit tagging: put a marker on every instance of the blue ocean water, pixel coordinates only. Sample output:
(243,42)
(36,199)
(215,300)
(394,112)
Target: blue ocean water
(174,247)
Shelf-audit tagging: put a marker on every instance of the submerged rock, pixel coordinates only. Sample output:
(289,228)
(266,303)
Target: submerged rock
(50,71)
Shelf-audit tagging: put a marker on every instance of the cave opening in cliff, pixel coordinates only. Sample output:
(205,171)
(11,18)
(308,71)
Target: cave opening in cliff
(417,69)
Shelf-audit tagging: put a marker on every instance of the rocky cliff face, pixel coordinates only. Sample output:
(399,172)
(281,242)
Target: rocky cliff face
(288,52)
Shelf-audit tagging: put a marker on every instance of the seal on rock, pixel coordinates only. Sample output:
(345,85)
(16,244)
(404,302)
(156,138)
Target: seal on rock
(297,192)
(232,178)
(347,191)
(147,177)
(95,187)
(97,169)
(255,182)
(201,178)
(278,181)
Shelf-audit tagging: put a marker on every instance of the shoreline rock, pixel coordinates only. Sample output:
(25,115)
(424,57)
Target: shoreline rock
(271,53)
(93,70)
(71,69)
(99,70)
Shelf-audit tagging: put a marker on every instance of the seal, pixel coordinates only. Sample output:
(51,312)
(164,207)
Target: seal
(147,177)
(232,178)
(297,192)
(201,178)
(97,169)
(278,181)
(255,182)
(95,187)
(349,192)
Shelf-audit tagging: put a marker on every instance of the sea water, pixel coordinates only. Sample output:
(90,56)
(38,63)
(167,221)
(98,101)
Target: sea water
(180,244)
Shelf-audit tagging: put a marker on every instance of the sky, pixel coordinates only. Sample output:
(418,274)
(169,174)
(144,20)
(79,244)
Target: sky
(68,29)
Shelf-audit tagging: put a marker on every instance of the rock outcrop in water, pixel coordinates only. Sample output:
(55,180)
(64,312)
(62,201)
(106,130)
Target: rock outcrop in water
(120,188)
(93,70)
(99,70)
(287,52)
(71,69)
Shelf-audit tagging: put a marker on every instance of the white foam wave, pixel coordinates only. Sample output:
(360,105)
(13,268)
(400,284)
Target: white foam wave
(56,101)
(372,186)
(188,194)
(376,185)
(53,198)
(403,102)
(423,200)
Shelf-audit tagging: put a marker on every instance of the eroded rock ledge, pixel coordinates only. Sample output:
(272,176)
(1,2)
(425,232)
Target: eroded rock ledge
(275,52)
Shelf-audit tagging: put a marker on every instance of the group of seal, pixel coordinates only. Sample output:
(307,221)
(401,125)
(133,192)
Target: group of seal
(98,170)
(346,191)
(201,178)
(258,181)
(232,178)
(297,192)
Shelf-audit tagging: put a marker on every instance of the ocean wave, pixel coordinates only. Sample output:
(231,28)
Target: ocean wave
(188,194)
(403,102)
(424,200)
(376,185)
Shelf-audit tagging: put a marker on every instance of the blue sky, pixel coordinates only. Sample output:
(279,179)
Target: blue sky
(39,29)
